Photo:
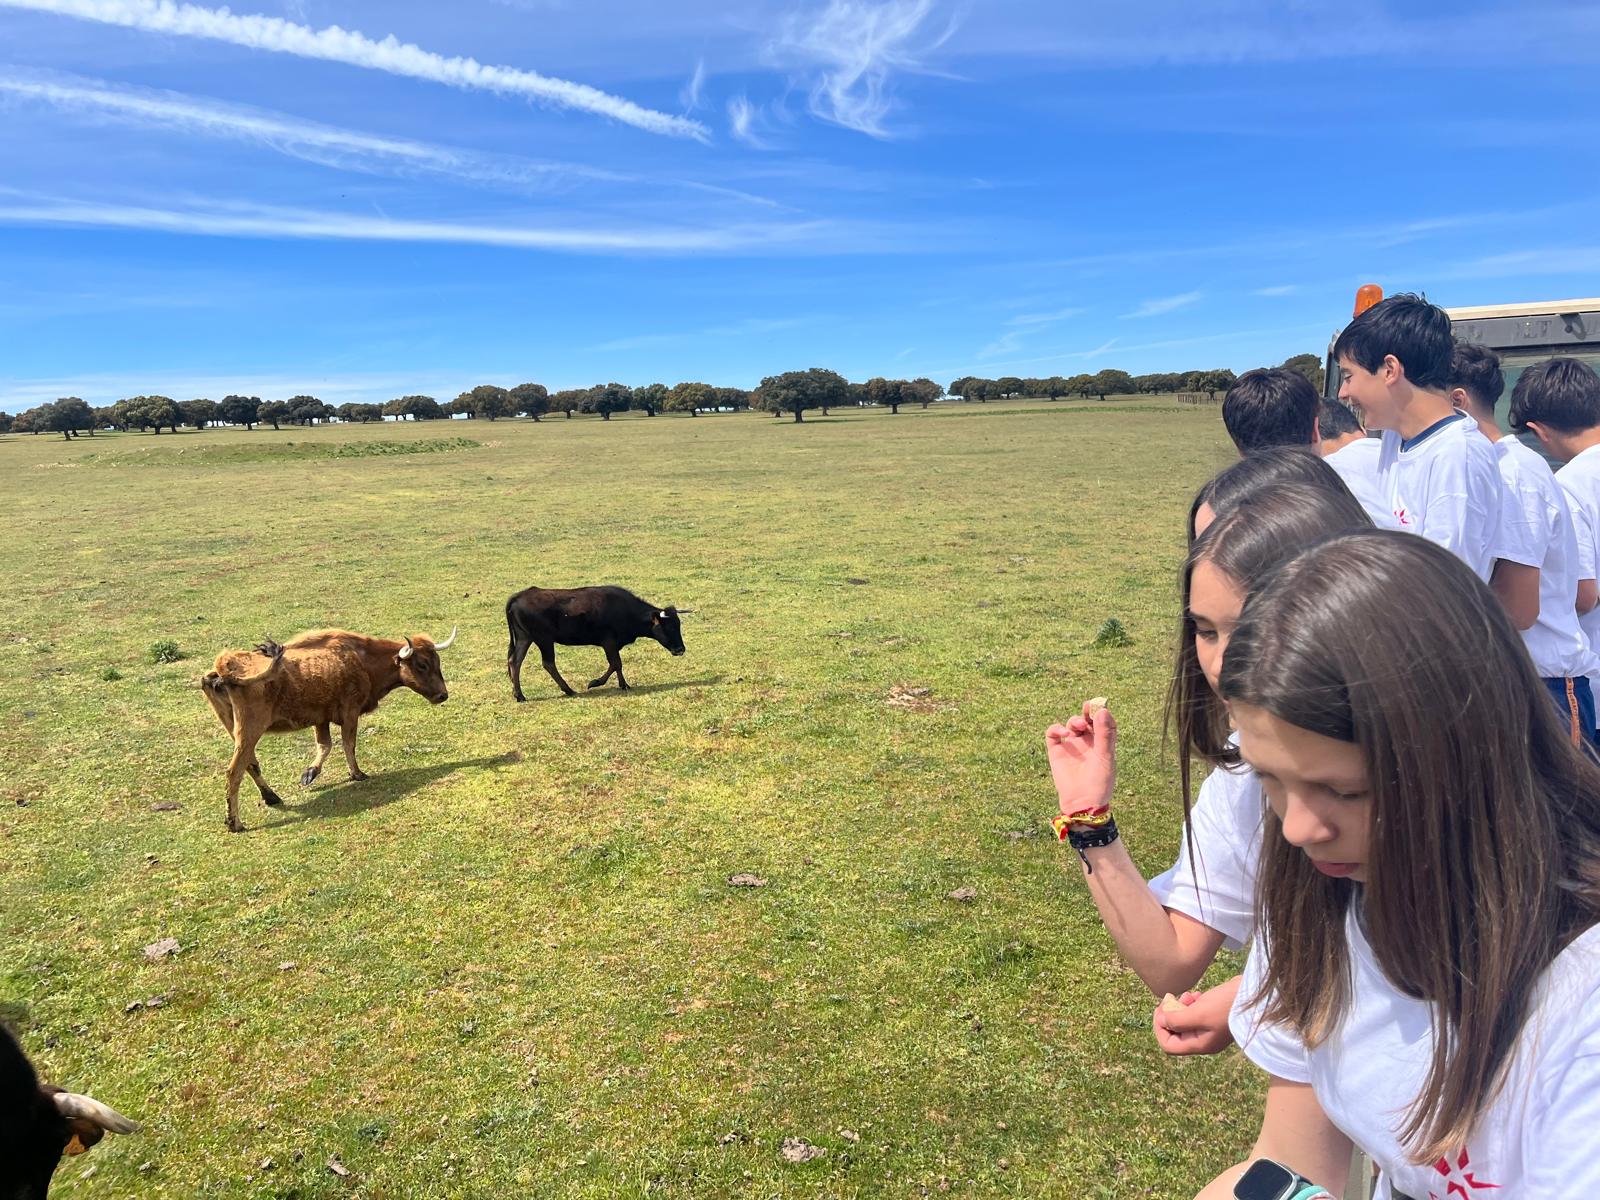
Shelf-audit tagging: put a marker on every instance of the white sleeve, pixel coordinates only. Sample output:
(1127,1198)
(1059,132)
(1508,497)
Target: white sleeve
(1583,528)
(1216,885)
(1524,526)
(1276,1049)
(1559,1141)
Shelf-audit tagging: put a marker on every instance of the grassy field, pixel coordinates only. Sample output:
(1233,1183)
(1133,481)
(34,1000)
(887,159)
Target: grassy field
(511,963)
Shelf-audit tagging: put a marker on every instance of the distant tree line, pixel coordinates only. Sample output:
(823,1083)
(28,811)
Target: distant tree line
(792,392)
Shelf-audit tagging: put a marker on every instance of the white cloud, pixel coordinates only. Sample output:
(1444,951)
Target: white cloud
(325,144)
(334,44)
(1046,318)
(1282,289)
(273,222)
(858,44)
(1008,342)
(1165,304)
(690,96)
(742,120)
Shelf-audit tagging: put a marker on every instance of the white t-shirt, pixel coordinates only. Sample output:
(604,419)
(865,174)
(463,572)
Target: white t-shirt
(1357,465)
(1535,1142)
(1217,885)
(1539,533)
(1445,484)
(1580,480)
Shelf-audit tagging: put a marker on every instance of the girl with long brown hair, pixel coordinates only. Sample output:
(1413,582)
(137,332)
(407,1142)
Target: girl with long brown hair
(1169,931)
(1426,983)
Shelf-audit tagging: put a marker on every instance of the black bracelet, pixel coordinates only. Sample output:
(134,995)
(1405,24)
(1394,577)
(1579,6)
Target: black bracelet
(1092,839)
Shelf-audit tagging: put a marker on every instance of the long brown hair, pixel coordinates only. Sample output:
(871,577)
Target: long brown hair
(1484,850)
(1268,508)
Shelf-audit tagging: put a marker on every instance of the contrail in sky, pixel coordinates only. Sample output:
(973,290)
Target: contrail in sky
(334,44)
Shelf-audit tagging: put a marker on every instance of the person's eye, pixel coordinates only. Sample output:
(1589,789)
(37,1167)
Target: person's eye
(1350,796)
(1205,635)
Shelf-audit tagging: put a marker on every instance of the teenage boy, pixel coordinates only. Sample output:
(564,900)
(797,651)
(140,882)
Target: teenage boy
(1274,406)
(1439,475)
(1559,401)
(1539,534)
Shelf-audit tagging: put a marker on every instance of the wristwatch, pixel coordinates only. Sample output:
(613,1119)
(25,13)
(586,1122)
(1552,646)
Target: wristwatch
(1268,1180)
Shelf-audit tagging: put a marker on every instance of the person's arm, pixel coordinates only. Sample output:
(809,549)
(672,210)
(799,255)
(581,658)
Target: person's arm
(1588,596)
(1517,587)
(1297,1133)
(1168,950)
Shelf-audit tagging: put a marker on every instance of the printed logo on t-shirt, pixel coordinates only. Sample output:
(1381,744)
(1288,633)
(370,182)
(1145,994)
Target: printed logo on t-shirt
(1401,515)
(1460,1180)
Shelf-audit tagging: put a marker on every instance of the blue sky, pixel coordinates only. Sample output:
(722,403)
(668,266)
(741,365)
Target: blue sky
(362,199)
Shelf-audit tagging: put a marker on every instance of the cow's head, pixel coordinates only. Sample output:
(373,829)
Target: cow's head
(420,669)
(38,1125)
(665,629)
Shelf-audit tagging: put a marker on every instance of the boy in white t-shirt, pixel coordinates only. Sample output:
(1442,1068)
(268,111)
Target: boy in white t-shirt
(1559,403)
(1439,475)
(1274,406)
(1540,534)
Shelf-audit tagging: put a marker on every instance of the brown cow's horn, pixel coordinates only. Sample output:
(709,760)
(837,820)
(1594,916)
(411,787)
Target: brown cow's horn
(87,1107)
(445,645)
(405,651)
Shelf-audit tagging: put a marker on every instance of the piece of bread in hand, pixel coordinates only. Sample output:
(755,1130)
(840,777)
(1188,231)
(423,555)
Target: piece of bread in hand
(1097,706)
(1170,1003)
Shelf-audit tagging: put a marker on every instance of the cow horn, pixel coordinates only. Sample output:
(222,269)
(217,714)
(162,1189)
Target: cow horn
(683,611)
(405,651)
(445,645)
(89,1109)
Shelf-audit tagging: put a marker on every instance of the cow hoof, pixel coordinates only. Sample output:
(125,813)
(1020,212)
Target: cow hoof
(309,775)
(272,799)
(357,776)
(235,826)
(568,692)
(594,683)
(520,699)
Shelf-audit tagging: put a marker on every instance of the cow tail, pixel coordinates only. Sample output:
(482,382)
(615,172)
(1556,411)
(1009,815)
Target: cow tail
(511,628)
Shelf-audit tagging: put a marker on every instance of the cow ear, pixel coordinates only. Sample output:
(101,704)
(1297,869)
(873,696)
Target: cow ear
(81,1135)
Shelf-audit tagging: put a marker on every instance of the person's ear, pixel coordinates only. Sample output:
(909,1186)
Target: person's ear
(1391,370)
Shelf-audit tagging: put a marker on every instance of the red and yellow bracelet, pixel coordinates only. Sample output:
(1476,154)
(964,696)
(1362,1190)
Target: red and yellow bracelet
(1092,818)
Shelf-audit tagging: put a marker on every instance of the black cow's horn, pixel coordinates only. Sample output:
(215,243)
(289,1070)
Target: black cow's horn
(70,1104)
(682,611)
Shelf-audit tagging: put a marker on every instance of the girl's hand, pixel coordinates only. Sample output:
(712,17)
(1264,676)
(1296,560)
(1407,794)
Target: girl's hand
(1202,1025)
(1083,760)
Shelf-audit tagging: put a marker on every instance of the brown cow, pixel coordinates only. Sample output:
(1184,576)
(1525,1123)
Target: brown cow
(323,677)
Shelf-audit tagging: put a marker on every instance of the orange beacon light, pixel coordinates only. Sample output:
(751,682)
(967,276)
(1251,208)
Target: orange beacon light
(1367,295)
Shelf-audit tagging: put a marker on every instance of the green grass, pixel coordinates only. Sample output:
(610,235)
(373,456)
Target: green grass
(518,968)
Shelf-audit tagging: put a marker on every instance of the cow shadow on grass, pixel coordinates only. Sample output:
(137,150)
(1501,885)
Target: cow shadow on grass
(610,691)
(349,798)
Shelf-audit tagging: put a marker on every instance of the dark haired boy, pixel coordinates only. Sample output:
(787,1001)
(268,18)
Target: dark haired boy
(1439,475)
(1274,406)
(1559,402)
(1539,536)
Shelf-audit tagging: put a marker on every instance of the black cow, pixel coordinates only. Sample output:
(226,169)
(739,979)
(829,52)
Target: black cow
(608,617)
(38,1124)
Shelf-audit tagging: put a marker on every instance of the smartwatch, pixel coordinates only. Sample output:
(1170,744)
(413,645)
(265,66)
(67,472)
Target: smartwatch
(1268,1180)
